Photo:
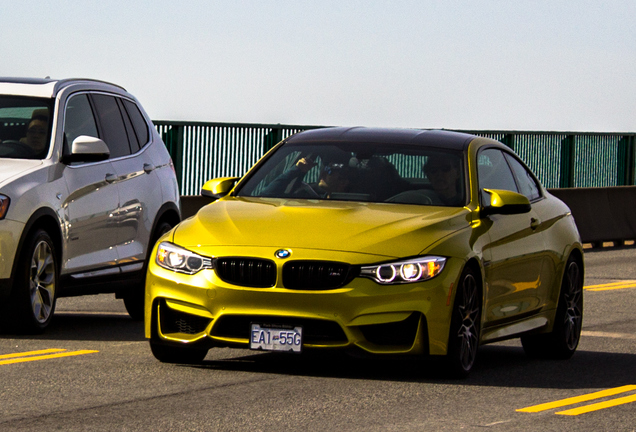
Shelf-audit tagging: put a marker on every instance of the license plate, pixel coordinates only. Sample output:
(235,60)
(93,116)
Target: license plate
(274,337)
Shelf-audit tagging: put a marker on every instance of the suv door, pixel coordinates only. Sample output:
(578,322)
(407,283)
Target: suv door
(91,207)
(139,192)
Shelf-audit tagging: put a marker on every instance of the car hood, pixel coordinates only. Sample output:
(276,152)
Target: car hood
(390,230)
(10,168)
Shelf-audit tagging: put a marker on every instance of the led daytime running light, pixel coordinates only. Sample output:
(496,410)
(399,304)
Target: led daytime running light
(382,279)
(172,257)
(407,271)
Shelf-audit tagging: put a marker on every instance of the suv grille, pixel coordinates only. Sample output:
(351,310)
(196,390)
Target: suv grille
(315,275)
(249,272)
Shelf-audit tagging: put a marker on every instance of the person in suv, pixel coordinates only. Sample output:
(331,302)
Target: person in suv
(86,188)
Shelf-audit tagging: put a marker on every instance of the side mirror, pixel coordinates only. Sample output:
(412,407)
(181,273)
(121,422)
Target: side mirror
(218,187)
(505,202)
(87,149)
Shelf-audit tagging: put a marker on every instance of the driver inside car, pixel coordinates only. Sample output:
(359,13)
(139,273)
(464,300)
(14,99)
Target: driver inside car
(443,172)
(334,178)
(36,135)
(34,145)
(444,175)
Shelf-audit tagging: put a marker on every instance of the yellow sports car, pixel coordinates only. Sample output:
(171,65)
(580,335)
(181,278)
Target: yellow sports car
(384,241)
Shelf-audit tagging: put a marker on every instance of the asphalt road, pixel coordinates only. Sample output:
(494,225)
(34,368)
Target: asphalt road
(100,375)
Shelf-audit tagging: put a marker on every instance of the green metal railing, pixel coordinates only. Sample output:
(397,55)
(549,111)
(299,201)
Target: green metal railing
(202,151)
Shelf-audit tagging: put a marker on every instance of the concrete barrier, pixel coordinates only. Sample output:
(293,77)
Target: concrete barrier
(601,214)
(190,204)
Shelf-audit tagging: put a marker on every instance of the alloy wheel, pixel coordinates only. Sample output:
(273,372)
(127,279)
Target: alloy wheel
(468,311)
(42,281)
(573,298)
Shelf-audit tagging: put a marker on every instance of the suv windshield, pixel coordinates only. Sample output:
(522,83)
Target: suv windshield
(25,127)
(406,174)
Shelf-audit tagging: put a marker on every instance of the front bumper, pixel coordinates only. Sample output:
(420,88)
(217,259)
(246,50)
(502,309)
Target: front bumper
(10,232)
(379,319)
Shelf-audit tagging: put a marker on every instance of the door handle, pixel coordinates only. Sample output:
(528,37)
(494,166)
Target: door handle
(110,178)
(148,168)
(534,223)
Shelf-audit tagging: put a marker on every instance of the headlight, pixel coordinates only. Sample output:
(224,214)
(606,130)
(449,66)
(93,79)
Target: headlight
(173,257)
(407,271)
(4,206)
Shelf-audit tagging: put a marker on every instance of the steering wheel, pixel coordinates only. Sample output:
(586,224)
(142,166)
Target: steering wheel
(427,200)
(419,197)
(13,148)
(303,190)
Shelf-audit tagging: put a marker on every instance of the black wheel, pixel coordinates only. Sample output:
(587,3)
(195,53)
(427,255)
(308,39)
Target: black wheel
(176,354)
(32,302)
(562,341)
(463,339)
(134,300)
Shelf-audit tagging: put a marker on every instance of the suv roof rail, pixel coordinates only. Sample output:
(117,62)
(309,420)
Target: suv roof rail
(67,81)
(59,84)
(21,80)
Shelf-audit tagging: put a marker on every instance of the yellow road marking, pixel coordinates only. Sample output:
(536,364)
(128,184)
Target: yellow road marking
(578,399)
(608,334)
(30,353)
(612,286)
(46,357)
(598,406)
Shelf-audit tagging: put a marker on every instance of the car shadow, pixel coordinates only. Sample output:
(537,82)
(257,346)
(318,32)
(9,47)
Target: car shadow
(86,326)
(497,366)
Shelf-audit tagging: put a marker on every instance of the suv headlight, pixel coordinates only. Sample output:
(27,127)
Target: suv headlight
(406,271)
(4,206)
(175,258)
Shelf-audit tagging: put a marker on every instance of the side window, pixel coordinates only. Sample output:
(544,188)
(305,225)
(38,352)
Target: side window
(138,121)
(527,184)
(132,137)
(112,125)
(78,120)
(493,171)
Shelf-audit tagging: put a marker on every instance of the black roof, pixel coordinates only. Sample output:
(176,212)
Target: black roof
(431,138)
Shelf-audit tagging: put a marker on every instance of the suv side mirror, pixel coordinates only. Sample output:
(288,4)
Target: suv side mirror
(218,187)
(87,149)
(505,202)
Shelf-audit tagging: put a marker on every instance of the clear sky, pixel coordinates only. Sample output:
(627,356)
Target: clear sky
(473,64)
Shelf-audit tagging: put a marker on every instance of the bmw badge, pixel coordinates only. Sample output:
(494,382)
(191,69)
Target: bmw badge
(282,253)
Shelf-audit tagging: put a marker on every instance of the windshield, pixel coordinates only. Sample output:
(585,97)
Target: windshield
(25,127)
(406,174)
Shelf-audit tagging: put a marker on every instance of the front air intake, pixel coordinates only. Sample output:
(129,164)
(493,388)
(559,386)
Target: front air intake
(173,321)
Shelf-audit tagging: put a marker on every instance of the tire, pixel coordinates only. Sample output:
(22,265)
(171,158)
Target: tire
(562,341)
(175,354)
(463,338)
(134,300)
(32,302)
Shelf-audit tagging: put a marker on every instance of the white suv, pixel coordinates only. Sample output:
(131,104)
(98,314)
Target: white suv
(86,187)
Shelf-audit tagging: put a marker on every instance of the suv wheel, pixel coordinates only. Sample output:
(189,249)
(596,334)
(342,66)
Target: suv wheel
(32,301)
